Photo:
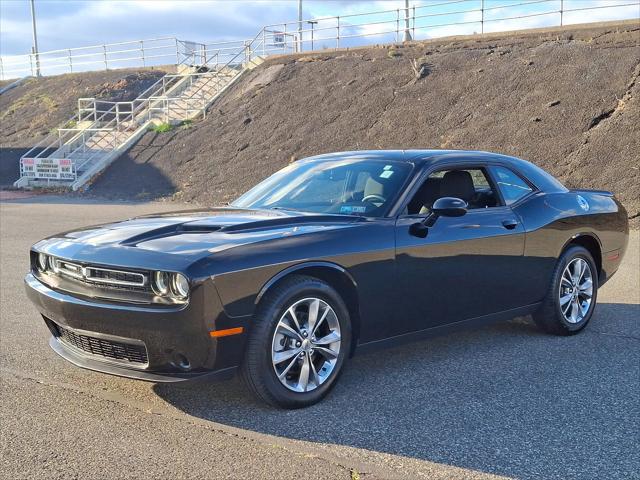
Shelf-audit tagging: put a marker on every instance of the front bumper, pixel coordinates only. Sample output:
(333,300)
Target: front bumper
(167,335)
(83,361)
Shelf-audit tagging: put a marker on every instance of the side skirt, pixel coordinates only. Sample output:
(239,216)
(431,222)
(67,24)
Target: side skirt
(445,329)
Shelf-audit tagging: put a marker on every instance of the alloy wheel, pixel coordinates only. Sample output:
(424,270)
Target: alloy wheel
(576,290)
(306,345)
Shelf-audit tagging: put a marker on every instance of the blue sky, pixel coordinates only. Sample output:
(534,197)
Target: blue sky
(74,23)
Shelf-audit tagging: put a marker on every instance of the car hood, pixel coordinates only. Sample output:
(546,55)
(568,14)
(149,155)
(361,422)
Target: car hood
(192,233)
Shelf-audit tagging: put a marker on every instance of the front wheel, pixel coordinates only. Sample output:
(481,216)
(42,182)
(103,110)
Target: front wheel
(298,343)
(572,294)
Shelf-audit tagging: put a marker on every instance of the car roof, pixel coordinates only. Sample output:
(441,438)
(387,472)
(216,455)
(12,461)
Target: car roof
(539,177)
(381,155)
(414,156)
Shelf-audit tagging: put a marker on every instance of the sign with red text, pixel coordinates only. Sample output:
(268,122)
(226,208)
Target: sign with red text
(48,168)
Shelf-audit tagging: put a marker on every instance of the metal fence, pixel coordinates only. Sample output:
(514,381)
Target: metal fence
(453,17)
(438,19)
(134,54)
(154,51)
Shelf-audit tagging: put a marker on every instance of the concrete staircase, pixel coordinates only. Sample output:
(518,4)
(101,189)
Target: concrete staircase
(101,130)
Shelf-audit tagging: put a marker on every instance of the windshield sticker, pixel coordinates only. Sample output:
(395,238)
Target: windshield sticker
(352,209)
(386,174)
(387,167)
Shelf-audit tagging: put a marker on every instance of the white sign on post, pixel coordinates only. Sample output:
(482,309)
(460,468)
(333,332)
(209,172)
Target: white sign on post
(278,39)
(49,168)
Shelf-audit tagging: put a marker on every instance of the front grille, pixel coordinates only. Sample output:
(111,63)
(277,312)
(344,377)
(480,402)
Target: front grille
(108,349)
(100,276)
(114,277)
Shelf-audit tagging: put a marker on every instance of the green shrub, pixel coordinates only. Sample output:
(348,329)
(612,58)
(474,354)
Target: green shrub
(162,128)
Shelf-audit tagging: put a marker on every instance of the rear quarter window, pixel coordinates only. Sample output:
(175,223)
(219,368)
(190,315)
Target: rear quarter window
(511,185)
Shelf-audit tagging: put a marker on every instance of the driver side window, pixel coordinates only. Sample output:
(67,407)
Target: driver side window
(469,184)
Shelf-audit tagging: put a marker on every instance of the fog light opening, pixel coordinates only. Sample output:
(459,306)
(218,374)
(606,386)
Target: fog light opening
(181,362)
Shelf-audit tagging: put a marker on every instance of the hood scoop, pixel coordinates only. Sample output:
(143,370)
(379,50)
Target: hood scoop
(198,227)
(279,222)
(133,233)
(171,230)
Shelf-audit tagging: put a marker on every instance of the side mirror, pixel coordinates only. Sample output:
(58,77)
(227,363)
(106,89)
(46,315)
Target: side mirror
(443,207)
(449,207)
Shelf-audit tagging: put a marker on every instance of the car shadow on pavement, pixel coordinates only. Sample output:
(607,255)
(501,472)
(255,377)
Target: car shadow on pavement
(505,399)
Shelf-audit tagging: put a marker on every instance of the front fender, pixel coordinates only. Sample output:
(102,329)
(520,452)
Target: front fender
(303,266)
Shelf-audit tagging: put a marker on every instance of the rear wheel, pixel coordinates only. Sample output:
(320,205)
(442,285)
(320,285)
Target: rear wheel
(298,343)
(572,294)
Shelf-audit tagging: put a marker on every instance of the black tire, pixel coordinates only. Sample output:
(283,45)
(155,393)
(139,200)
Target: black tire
(257,369)
(550,317)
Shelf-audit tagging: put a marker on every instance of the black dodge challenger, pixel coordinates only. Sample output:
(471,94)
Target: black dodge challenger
(334,254)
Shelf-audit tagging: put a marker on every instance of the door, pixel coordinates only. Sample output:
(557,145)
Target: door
(465,267)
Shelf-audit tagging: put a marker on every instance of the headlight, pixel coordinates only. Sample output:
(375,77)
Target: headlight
(180,286)
(160,283)
(171,285)
(42,262)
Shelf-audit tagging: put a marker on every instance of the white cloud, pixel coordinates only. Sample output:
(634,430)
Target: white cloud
(75,24)
(602,14)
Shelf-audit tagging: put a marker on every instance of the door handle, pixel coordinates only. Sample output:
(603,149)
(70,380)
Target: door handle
(510,224)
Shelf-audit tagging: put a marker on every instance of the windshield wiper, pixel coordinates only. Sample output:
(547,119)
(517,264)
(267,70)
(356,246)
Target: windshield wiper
(285,208)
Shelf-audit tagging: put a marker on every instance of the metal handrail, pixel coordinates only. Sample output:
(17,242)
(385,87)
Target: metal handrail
(210,76)
(105,122)
(114,125)
(126,42)
(57,142)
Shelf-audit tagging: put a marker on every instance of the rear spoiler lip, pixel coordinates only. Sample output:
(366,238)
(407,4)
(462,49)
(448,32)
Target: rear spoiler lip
(605,193)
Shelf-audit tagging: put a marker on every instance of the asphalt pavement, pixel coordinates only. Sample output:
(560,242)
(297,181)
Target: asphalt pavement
(501,401)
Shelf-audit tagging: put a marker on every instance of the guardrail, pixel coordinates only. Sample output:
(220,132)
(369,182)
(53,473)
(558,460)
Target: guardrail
(429,21)
(394,25)
(148,52)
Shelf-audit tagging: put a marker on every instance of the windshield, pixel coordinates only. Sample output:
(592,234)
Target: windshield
(347,186)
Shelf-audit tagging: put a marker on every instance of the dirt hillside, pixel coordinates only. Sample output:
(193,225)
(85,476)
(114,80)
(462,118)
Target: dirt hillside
(31,110)
(567,100)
